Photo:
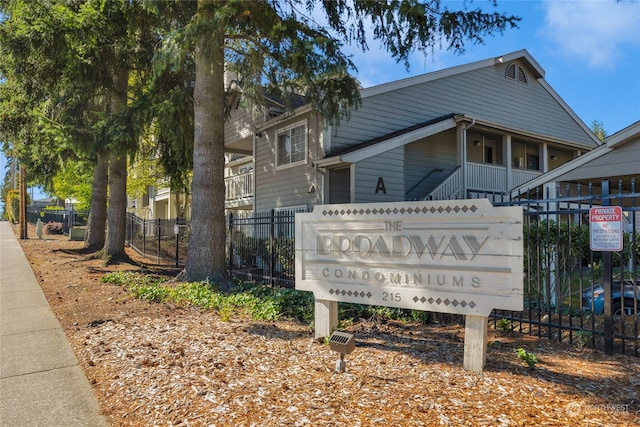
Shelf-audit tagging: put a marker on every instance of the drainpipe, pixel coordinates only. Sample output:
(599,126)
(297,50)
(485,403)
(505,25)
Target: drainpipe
(463,170)
(254,143)
(321,187)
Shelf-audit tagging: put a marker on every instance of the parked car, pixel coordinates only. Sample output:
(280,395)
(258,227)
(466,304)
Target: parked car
(622,298)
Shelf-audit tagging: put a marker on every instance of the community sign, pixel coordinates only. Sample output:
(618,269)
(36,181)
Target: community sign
(455,256)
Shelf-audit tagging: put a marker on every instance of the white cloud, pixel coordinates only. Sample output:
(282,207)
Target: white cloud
(596,32)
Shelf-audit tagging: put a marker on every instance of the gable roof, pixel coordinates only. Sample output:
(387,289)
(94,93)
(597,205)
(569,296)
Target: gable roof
(474,91)
(522,54)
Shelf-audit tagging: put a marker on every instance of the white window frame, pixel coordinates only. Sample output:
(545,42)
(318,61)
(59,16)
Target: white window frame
(287,130)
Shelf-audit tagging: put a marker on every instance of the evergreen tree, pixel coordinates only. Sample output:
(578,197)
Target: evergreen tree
(80,57)
(274,45)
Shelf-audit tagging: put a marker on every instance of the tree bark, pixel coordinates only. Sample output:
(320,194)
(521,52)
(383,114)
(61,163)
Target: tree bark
(206,251)
(117,213)
(98,214)
(116,218)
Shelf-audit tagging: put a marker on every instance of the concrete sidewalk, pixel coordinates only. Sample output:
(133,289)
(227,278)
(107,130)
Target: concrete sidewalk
(41,383)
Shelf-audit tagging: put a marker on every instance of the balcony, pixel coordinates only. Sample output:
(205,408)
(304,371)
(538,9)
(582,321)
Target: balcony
(162,193)
(239,190)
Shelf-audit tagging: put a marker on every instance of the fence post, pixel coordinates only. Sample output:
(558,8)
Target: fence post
(158,243)
(144,237)
(176,230)
(607,273)
(131,242)
(230,242)
(272,252)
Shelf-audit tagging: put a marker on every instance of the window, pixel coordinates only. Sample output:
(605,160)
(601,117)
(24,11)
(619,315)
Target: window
(291,146)
(526,155)
(484,148)
(516,72)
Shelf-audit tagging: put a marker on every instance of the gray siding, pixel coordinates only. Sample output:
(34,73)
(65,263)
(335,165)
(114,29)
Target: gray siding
(239,125)
(624,160)
(389,167)
(483,93)
(282,188)
(422,157)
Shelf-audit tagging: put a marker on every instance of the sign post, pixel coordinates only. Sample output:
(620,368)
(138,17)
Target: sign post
(457,256)
(605,230)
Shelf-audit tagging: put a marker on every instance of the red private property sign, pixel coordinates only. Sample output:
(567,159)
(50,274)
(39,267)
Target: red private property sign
(605,228)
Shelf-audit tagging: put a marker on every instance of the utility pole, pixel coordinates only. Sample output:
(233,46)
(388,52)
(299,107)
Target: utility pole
(23,203)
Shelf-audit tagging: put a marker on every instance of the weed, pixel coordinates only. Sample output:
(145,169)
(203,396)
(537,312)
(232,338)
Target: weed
(225,312)
(504,326)
(150,292)
(345,323)
(529,358)
(118,278)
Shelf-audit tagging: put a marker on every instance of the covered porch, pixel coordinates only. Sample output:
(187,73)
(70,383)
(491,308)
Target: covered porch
(480,178)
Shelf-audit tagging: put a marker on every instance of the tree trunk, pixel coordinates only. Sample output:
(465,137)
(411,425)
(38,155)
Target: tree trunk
(206,252)
(116,218)
(117,214)
(98,213)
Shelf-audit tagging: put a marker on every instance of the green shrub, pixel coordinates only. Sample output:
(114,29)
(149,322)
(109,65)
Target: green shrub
(12,206)
(255,301)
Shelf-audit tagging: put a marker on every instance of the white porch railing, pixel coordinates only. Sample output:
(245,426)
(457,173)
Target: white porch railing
(519,177)
(449,189)
(481,178)
(239,187)
(492,178)
(485,177)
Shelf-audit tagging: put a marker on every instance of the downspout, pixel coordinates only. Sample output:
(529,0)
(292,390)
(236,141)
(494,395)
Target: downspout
(464,169)
(255,170)
(320,172)
(321,189)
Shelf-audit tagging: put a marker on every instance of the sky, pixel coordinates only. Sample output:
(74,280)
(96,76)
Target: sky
(590,51)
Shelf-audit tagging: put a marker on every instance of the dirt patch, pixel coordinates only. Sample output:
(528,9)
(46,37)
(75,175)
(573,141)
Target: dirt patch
(158,364)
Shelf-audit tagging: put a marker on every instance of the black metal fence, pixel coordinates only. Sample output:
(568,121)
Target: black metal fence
(566,290)
(564,283)
(66,217)
(565,280)
(164,240)
(261,247)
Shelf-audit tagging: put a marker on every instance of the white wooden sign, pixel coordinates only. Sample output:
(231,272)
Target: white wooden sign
(462,256)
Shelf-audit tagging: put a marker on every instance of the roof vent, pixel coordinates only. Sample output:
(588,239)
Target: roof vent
(517,73)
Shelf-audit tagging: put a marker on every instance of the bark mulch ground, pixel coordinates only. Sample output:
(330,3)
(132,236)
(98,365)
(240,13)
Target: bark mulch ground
(159,364)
